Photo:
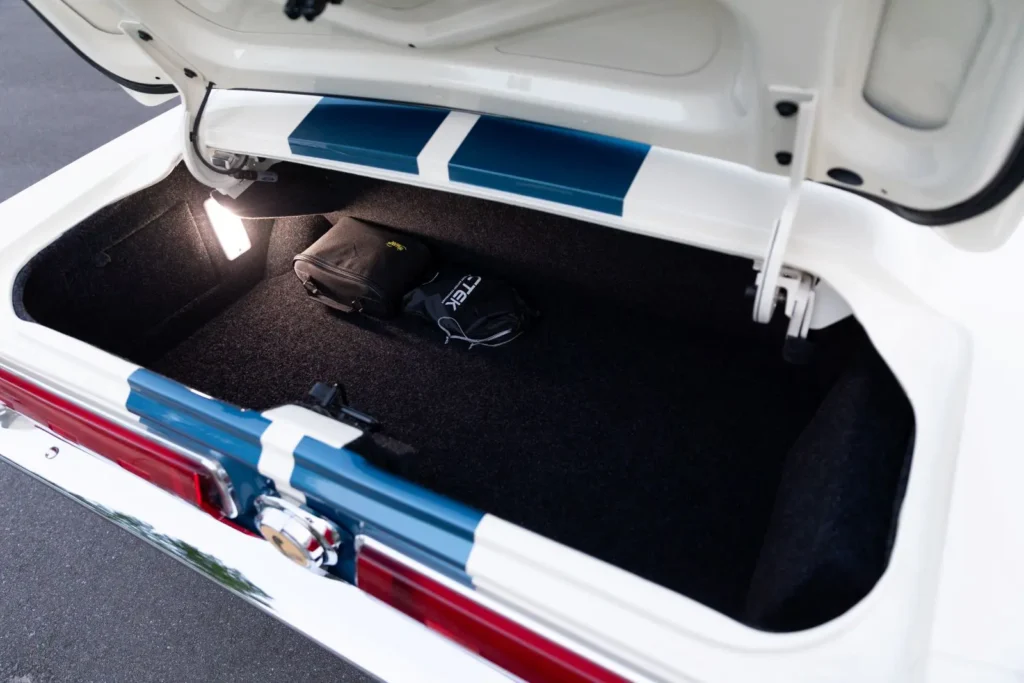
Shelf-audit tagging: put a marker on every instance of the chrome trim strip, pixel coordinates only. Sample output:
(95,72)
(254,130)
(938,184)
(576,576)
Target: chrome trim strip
(220,477)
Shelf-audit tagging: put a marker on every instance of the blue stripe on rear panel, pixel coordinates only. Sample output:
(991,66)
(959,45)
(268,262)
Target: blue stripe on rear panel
(218,430)
(381,134)
(338,482)
(557,164)
(418,522)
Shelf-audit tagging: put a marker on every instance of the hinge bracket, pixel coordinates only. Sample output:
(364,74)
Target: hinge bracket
(774,281)
(191,85)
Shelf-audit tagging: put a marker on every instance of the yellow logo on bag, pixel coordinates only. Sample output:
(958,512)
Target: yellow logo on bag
(395,245)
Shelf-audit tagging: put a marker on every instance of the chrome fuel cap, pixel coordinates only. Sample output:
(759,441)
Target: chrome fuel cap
(304,538)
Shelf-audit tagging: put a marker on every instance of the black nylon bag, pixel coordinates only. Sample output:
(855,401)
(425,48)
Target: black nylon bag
(471,308)
(357,266)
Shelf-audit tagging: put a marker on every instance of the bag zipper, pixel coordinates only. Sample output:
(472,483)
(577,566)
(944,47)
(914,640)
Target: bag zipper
(331,268)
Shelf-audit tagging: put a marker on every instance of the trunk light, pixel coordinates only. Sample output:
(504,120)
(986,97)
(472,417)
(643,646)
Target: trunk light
(171,471)
(494,637)
(231,234)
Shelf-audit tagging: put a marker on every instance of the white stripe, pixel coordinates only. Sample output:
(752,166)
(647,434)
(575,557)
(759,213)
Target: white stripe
(319,427)
(288,426)
(277,459)
(439,150)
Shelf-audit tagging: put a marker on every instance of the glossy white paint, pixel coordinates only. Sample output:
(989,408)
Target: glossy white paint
(945,319)
(331,432)
(692,75)
(913,41)
(829,307)
(288,426)
(335,614)
(277,458)
(281,111)
(922,168)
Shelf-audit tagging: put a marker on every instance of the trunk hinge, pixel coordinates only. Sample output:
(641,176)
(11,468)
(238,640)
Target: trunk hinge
(227,172)
(775,282)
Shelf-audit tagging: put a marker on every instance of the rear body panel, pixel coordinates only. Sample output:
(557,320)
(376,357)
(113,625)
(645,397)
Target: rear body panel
(334,481)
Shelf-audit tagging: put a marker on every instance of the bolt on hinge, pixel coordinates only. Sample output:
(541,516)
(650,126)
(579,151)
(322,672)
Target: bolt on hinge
(795,291)
(774,282)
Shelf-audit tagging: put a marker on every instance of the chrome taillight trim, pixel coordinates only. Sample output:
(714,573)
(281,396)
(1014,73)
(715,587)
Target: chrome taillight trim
(221,480)
(542,628)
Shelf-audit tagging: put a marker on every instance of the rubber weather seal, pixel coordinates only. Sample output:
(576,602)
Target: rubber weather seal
(1002,185)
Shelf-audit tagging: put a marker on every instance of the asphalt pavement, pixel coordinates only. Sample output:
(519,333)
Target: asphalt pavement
(80,599)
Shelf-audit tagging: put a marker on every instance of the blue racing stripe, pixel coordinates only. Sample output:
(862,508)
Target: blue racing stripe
(218,430)
(338,482)
(381,134)
(557,164)
(365,499)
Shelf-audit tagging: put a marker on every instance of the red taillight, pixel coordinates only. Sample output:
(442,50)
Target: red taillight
(494,637)
(163,467)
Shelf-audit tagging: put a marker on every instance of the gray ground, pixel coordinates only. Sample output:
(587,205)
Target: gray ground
(81,600)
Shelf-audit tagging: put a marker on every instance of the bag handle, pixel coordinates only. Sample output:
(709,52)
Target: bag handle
(312,291)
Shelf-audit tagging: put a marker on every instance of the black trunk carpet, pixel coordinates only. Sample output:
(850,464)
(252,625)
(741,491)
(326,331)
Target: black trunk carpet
(643,420)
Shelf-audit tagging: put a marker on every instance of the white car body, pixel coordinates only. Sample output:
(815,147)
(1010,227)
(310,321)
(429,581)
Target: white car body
(943,306)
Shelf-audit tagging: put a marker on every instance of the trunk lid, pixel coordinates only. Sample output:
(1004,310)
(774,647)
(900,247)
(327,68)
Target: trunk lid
(910,103)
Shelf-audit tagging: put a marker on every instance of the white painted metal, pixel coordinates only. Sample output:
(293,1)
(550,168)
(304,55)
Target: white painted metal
(277,112)
(433,160)
(829,307)
(331,432)
(921,58)
(681,38)
(288,426)
(926,169)
(717,101)
(277,458)
(428,24)
(192,86)
(768,280)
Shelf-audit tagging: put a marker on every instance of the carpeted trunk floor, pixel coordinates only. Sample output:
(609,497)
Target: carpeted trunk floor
(640,440)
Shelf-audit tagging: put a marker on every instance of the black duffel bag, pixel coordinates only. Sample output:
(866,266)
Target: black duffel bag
(357,266)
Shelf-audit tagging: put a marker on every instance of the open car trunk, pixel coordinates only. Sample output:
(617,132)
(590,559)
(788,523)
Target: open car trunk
(643,420)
